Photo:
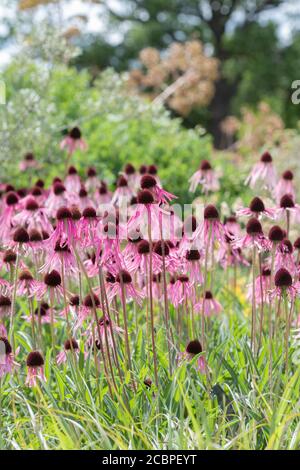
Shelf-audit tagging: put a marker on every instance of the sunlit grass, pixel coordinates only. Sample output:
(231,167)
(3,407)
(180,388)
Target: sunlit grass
(239,410)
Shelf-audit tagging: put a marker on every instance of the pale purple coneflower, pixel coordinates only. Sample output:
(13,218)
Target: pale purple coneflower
(210,229)
(232,226)
(192,265)
(6,218)
(208,305)
(123,193)
(86,309)
(181,291)
(254,237)
(287,208)
(65,230)
(73,141)
(205,177)
(161,196)
(262,287)
(26,284)
(263,171)
(257,209)
(193,349)
(50,286)
(284,186)
(70,346)
(57,198)
(72,181)
(32,215)
(5,306)
(145,211)
(28,162)
(283,284)
(35,369)
(92,182)
(60,257)
(124,281)
(7,260)
(6,357)
(284,256)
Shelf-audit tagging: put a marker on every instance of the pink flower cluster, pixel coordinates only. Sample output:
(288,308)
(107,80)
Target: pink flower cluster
(79,254)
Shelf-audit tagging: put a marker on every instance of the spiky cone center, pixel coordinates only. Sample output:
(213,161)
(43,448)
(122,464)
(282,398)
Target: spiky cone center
(145,197)
(63,213)
(21,235)
(25,275)
(75,301)
(148,182)
(257,205)
(89,213)
(129,169)
(11,198)
(192,255)
(122,182)
(254,227)
(266,158)
(31,205)
(91,173)
(283,279)
(7,345)
(211,212)
(72,170)
(124,277)
(161,248)
(276,234)
(194,347)
(143,247)
(35,359)
(90,301)
(205,165)
(75,133)
(208,295)
(5,301)
(297,244)
(288,175)
(286,202)
(71,344)
(152,170)
(58,188)
(52,279)
(9,257)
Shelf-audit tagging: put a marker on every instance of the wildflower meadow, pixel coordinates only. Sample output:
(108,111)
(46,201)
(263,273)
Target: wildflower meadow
(126,325)
(149,241)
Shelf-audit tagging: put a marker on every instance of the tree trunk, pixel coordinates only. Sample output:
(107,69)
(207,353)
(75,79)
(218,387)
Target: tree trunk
(220,109)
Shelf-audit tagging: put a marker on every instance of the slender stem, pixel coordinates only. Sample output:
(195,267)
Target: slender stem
(261,320)
(52,319)
(166,305)
(105,332)
(287,222)
(32,320)
(69,332)
(151,299)
(203,339)
(127,345)
(13,303)
(253,323)
(288,316)
(116,359)
(270,318)
(94,309)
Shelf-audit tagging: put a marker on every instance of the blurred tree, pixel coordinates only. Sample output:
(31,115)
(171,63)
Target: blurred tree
(157,23)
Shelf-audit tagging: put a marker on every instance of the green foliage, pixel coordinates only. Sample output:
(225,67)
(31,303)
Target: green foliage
(242,411)
(118,127)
